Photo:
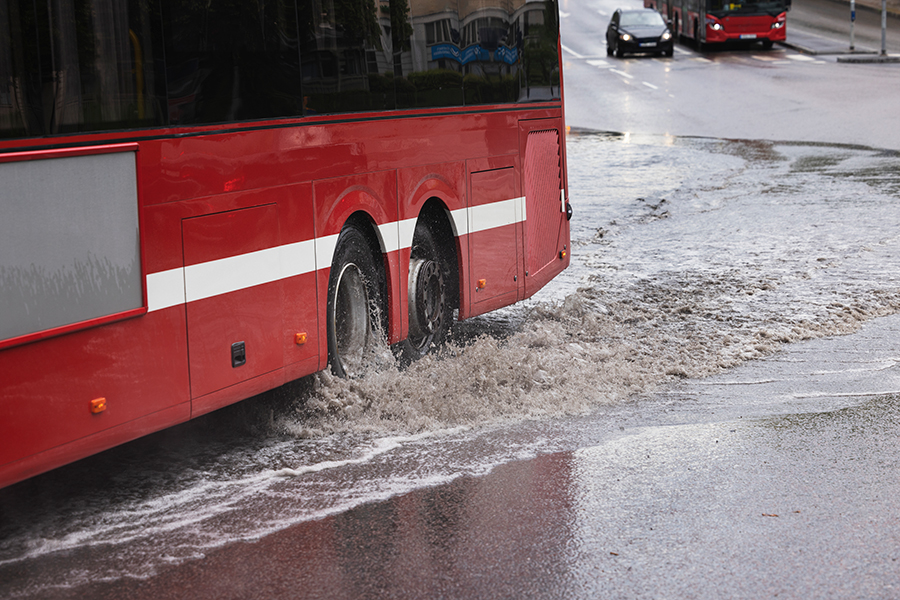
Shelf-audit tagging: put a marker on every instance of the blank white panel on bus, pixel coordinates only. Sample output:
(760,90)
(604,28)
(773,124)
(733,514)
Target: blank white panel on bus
(69,241)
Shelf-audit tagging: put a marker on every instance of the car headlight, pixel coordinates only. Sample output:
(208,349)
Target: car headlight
(625,37)
(667,35)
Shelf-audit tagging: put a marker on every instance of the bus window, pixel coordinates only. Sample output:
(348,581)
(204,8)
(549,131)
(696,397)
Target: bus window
(75,65)
(346,56)
(231,61)
(478,53)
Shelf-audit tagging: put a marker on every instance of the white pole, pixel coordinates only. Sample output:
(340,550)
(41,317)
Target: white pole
(884,27)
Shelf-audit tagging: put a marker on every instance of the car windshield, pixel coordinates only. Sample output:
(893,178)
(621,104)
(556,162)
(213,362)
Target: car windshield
(745,6)
(636,19)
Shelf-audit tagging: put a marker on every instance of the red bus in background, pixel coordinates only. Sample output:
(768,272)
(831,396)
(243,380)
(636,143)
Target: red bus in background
(718,21)
(203,201)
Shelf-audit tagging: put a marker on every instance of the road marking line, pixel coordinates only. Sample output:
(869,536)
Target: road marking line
(650,85)
(802,57)
(600,64)
(622,73)
(570,51)
(563,14)
(680,50)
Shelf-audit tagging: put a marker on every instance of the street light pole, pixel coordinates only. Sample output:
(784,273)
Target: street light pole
(884,27)
(852,21)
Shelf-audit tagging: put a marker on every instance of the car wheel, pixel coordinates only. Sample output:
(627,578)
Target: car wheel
(609,50)
(619,52)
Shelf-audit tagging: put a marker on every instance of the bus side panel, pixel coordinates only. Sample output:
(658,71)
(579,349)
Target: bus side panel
(546,226)
(495,234)
(301,293)
(84,447)
(232,334)
(138,366)
(207,165)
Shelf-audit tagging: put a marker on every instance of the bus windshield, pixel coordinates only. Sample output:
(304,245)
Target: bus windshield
(746,6)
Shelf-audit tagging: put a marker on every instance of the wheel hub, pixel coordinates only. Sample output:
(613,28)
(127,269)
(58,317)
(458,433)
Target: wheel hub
(351,317)
(426,298)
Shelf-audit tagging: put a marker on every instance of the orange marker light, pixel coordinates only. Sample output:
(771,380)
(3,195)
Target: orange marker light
(98,405)
(562,254)
(482,283)
(300,338)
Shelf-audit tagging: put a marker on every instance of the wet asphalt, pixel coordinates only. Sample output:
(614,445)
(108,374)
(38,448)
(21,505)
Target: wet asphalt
(777,479)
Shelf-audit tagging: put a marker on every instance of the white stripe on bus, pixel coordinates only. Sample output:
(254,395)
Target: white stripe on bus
(222,276)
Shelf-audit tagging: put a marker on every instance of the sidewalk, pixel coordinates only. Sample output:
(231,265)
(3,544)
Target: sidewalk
(809,41)
(893,6)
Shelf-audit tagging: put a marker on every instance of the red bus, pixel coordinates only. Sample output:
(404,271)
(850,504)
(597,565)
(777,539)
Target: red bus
(202,201)
(717,21)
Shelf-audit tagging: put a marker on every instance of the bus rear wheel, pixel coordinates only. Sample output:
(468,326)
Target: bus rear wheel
(354,304)
(430,308)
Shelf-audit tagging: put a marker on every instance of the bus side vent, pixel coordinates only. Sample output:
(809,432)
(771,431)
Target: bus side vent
(542,188)
(238,354)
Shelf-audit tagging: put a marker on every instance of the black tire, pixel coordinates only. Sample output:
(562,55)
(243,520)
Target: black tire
(619,52)
(669,52)
(767,44)
(430,303)
(354,303)
(609,51)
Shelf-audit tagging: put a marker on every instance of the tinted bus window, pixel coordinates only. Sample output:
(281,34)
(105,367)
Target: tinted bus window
(346,55)
(470,53)
(231,60)
(77,65)
(87,65)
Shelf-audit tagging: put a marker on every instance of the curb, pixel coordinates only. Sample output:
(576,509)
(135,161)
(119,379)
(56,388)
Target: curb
(826,50)
(872,6)
(859,59)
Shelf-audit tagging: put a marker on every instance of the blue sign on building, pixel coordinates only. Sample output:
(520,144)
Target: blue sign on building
(473,53)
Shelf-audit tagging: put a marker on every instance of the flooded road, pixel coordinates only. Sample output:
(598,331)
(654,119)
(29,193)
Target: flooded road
(537,454)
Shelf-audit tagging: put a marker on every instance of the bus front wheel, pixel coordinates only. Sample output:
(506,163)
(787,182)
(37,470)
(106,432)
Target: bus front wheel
(354,304)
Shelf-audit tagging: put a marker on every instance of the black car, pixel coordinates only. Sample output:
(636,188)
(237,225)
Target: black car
(640,30)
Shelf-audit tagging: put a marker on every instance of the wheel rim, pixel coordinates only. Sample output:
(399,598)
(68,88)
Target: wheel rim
(351,315)
(427,302)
